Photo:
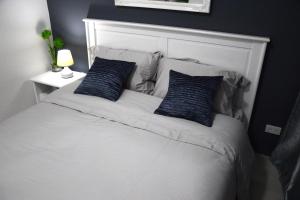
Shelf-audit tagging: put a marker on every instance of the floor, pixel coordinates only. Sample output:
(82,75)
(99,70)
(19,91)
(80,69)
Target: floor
(265,184)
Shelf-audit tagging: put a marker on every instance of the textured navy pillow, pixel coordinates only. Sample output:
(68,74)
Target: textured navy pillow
(190,97)
(106,79)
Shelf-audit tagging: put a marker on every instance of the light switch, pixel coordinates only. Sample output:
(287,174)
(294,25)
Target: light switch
(273,129)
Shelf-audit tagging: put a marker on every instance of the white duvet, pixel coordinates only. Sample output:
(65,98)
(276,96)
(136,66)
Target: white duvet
(76,147)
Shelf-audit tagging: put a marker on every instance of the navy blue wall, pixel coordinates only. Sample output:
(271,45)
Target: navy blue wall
(280,80)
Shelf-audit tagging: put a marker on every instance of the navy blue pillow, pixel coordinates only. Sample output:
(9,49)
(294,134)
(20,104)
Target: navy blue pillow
(190,97)
(106,79)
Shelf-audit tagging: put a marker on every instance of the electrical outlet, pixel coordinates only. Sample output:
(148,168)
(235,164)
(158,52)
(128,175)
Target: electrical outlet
(273,129)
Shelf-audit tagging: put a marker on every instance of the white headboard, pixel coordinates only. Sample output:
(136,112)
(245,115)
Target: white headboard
(241,53)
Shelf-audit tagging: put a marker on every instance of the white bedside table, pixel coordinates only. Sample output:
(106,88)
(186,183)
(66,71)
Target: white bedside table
(47,82)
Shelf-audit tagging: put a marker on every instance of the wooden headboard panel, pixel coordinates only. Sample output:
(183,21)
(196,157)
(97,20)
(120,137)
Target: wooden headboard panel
(241,53)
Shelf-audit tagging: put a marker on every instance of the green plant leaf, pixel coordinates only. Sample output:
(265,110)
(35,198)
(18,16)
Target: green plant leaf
(46,34)
(58,43)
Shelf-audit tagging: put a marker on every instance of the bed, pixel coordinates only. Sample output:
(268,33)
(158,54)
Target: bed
(83,147)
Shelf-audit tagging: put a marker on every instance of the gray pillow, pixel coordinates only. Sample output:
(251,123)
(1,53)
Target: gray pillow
(142,78)
(182,66)
(229,97)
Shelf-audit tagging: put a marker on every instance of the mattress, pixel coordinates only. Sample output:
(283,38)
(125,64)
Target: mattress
(81,147)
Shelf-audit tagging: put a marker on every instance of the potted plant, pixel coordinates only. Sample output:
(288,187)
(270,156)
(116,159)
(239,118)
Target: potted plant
(54,44)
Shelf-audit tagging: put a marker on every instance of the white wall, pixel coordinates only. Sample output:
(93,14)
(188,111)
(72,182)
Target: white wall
(23,53)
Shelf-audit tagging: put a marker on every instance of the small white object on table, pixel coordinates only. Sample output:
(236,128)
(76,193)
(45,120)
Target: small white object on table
(51,81)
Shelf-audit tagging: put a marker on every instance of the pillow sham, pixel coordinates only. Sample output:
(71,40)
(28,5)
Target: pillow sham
(106,79)
(190,97)
(229,96)
(142,79)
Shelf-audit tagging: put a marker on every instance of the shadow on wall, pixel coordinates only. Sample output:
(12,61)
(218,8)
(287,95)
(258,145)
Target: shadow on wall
(79,52)
(68,24)
(18,102)
(40,26)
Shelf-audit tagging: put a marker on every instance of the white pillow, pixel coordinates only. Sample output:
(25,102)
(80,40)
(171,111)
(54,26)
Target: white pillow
(142,78)
(229,97)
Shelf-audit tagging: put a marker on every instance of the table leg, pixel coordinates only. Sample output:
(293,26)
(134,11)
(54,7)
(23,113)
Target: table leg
(37,100)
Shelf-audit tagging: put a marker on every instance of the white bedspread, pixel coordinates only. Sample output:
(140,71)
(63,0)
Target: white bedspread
(76,147)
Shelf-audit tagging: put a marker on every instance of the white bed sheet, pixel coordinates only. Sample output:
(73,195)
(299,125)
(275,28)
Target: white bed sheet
(81,147)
